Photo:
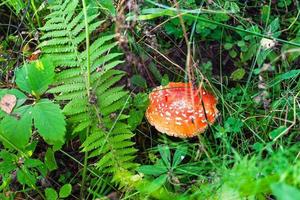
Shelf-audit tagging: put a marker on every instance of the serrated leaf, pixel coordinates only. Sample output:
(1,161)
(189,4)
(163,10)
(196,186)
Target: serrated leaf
(35,77)
(17,128)
(49,121)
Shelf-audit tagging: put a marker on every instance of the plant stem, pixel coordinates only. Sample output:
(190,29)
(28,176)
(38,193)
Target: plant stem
(84,169)
(88,86)
(87,43)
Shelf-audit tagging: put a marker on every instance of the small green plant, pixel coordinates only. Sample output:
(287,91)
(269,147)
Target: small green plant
(169,170)
(17,117)
(64,192)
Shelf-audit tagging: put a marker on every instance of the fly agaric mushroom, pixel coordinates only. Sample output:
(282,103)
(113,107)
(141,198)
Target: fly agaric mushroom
(177,109)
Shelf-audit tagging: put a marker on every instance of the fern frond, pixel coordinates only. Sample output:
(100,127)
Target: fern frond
(110,138)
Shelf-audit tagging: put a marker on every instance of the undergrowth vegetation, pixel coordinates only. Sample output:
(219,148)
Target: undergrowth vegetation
(75,79)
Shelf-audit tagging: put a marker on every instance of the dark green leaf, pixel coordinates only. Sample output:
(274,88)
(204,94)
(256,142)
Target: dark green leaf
(30,163)
(141,101)
(139,81)
(135,119)
(50,161)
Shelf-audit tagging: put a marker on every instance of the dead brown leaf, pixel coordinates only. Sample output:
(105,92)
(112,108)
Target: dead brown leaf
(8,103)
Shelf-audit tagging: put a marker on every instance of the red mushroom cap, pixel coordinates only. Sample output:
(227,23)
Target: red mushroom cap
(177,109)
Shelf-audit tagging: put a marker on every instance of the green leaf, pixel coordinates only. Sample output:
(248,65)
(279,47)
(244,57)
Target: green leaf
(156,73)
(17,5)
(292,52)
(238,74)
(275,133)
(141,101)
(35,77)
(233,53)
(274,26)
(31,163)
(165,154)
(108,5)
(179,155)
(65,190)
(25,177)
(50,161)
(228,46)
(265,13)
(165,80)
(17,129)
(49,121)
(288,75)
(138,80)
(157,183)
(154,170)
(283,191)
(233,125)
(7,164)
(221,17)
(51,194)
(257,146)
(135,119)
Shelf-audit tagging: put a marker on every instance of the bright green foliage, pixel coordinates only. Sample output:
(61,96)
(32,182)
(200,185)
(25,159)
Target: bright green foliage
(51,194)
(16,127)
(96,110)
(285,192)
(49,121)
(35,77)
(65,190)
(17,130)
(167,169)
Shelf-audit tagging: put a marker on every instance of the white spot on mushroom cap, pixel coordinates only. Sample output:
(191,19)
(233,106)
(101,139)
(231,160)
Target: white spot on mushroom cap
(178,123)
(178,118)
